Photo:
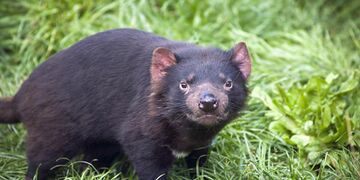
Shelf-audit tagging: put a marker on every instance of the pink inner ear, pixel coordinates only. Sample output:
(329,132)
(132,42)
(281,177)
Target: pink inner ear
(162,59)
(242,59)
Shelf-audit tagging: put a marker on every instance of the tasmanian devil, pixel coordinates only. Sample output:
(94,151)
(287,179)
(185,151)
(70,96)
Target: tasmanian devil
(126,92)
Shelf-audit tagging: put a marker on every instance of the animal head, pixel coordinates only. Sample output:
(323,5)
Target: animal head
(206,86)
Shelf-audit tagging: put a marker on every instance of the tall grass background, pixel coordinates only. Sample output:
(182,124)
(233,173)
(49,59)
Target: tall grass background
(290,42)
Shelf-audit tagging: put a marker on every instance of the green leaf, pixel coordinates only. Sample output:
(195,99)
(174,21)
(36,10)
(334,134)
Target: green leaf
(314,155)
(326,118)
(301,140)
(278,127)
(331,77)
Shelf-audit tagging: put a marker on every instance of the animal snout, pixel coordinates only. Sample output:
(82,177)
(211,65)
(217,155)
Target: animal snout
(208,102)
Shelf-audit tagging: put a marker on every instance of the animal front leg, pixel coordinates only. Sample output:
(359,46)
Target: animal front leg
(152,169)
(196,158)
(151,162)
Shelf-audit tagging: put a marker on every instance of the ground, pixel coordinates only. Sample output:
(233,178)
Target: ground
(291,43)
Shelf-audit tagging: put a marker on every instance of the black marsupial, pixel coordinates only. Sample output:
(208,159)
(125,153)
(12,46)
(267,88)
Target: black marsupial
(130,93)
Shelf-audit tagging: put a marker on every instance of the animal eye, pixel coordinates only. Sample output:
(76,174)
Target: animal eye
(183,85)
(228,85)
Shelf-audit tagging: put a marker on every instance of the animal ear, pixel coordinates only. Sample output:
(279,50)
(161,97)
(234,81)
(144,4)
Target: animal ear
(241,59)
(162,58)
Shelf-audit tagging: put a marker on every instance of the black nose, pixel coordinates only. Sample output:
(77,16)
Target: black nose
(208,102)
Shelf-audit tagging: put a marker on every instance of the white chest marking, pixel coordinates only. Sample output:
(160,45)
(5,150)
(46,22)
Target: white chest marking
(179,154)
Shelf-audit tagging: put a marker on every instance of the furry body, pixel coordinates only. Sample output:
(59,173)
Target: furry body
(117,93)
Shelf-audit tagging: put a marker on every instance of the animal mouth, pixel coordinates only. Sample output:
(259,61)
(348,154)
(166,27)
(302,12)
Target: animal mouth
(206,119)
(208,116)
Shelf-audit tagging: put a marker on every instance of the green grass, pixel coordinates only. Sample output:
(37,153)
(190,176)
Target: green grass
(291,42)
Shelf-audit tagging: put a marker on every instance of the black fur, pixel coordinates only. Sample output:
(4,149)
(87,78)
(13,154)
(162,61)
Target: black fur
(94,99)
